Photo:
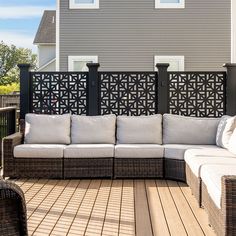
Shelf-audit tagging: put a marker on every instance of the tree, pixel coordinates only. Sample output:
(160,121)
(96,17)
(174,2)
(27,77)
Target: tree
(10,56)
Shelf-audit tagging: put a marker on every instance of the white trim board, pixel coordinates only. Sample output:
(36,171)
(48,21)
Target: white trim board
(58,36)
(233,31)
(159,4)
(74,5)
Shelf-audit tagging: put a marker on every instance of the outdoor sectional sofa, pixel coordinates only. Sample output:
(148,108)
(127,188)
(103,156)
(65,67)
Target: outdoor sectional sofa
(199,151)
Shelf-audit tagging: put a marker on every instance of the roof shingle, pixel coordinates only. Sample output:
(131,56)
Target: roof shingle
(47,29)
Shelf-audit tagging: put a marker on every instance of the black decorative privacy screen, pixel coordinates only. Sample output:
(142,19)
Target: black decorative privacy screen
(128,93)
(59,93)
(199,94)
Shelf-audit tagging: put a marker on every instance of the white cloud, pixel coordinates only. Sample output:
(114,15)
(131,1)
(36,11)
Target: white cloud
(19,39)
(22,12)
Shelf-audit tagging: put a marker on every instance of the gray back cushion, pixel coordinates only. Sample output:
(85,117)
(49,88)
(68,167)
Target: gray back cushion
(93,129)
(225,130)
(189,130)
(139,129)
(47,129)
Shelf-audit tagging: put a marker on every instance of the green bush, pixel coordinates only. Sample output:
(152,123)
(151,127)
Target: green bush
(7,89)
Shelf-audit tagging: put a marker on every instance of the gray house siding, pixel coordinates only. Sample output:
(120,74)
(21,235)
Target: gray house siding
(46,53)
(127,34)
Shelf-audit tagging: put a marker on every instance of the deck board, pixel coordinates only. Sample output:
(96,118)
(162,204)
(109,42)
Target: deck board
(84,214)
(112,208)
(112,217)
(127,214)
(143,221)
(158,218)
(95,223)
(189,221)
(199,213)
(174,221)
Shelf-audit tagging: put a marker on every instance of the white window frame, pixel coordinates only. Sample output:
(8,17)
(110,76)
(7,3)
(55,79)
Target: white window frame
(159,4)
(74,5)
(159,59)
(72,59)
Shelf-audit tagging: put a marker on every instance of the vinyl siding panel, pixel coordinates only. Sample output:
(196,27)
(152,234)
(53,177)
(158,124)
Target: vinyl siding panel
(127,34)
(45,54)
(50,67)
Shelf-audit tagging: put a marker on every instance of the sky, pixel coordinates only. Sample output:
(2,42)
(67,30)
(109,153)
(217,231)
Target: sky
(19,20)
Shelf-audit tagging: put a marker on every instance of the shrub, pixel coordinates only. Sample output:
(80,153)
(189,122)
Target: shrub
(10,88)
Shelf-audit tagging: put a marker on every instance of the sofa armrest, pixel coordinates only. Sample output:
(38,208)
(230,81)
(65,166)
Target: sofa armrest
(13,213)
(228,203)
(9,143)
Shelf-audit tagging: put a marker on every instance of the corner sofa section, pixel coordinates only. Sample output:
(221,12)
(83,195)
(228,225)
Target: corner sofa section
(182,133)
(211,175)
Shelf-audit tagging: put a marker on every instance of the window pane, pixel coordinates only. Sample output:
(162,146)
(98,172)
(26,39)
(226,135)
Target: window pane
(84,1)
(81,65)
(169,1)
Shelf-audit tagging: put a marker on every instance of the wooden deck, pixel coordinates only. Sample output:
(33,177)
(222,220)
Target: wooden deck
(118,207)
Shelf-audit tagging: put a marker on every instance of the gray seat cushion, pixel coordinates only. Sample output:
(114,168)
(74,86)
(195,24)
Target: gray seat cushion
(93,129)
(139,151)
(176,151)
(196,158)
(189,130)
(89,151)
(39,151)
(47,129)
(211,176)
(139,129)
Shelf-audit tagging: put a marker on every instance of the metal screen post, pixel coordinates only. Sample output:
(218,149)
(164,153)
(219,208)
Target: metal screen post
(93,94)
(163,88)
(231,89)
(24,89)
(12,121)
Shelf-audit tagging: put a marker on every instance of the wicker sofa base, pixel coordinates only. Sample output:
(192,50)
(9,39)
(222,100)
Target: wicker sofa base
(194,183)
(88,167)
(138,167)
(214,213)
(36,168)
(222,220)
(175,169)
(13,215)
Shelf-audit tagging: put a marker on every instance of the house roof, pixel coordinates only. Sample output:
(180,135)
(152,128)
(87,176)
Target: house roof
(46,33)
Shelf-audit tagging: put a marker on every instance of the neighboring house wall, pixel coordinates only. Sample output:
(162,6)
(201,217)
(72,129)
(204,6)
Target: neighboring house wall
(46,53)
(127,34)
(51,66)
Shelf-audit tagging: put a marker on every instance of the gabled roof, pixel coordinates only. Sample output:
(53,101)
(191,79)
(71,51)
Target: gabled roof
(46,33)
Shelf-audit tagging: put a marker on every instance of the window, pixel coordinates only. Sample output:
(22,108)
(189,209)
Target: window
(176,62)
(169,3)
(84,4)
(78,63)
